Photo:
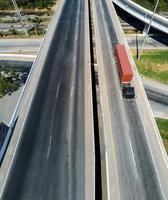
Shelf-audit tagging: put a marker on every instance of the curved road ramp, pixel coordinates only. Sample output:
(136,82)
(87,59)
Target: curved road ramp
(159,23)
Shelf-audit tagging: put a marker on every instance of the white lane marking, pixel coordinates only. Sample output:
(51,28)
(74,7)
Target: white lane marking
(107,172)
(72,90)
(58,89)
(132,153)
(49,147)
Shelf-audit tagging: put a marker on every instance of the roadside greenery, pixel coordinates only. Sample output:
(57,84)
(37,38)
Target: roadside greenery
(149,4)
(41,4)
(6,86)
(21,34)
(163,128)
(130,31)
(7,83)
(153,64)
(11,78)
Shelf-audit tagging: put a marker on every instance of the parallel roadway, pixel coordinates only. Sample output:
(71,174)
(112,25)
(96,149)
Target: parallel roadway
(50,161)
(131,172)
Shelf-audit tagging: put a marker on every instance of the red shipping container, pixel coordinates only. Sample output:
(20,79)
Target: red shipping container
(124,66)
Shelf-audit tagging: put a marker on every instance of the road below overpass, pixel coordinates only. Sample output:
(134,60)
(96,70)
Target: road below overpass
(156,91)
(159,110)
(32,45)
(131,172)
(136,40)
(50,158)
(19,45)
(158,95)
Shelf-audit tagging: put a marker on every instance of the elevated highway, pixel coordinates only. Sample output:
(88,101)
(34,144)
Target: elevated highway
(159,23)
(132,151)
(51,153)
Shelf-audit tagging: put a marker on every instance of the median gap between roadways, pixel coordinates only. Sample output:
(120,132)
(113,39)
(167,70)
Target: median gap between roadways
(95,85)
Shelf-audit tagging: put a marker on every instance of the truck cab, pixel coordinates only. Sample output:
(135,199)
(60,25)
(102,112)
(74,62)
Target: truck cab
(128,92)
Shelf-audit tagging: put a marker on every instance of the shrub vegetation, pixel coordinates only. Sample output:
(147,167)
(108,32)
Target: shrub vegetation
(163,127)
(149,4)
(41,4)
(153,64)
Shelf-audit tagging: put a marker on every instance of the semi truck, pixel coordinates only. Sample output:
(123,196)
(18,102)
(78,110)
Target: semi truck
(125,72)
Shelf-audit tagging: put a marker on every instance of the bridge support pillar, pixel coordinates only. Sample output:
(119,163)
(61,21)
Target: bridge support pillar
(145,28)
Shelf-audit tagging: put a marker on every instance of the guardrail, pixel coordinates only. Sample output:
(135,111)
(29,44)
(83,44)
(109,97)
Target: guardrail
(7,139)
(160,23)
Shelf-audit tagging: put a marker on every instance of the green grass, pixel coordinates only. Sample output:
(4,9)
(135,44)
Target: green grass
(5,4)
(163,127)
(149,4)
(40,4)
(154,64)
(6,86)
(130,31)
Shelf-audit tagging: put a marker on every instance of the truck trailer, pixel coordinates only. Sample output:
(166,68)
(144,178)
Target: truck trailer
(125,72)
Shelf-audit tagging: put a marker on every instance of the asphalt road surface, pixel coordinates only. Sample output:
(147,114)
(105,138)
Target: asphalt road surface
(32,45)
(136,41)
(159,110)
(158,96)
(156,91)
(137,177)
(19,45)
(50,160)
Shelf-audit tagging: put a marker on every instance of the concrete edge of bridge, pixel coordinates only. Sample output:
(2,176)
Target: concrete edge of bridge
(89,122)
(110,182)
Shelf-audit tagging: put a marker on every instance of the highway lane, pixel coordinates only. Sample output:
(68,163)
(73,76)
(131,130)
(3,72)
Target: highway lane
(156,91)
(136,176)
(19,45)
(159,110)
(150,43)
(50,159)
(32,45)
(158,95)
